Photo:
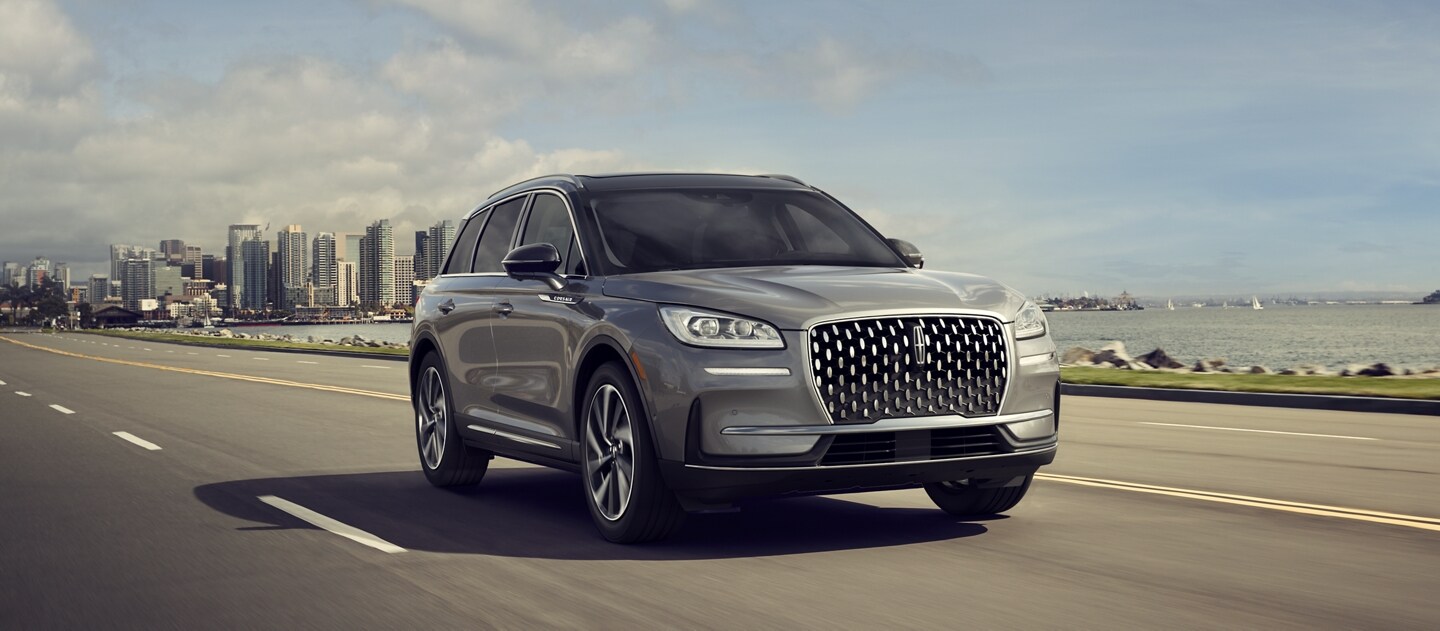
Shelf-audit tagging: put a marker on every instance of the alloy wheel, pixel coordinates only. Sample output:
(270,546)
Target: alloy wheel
(431,419)
(609,452)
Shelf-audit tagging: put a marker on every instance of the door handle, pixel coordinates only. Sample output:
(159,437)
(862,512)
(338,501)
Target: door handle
(446,307)
(504,308)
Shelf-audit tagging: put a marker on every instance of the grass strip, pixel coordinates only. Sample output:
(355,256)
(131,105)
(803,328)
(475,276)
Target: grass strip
(230,342)
(1392,387)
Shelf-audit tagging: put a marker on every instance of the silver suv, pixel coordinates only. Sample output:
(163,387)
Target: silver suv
(688,341)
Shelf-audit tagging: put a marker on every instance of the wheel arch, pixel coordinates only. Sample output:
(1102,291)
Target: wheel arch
(601,350)
(423,345)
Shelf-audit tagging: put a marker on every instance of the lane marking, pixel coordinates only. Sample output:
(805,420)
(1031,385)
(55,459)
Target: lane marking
(169,351)
(377,367)
(301,361)
(334,527)
(23,394)
(192,353)
(1258,431)
(2,383)
(262,359)
(137,440)
(61,409)
(225,356)
(222,375)
(1319,510)
(145,349)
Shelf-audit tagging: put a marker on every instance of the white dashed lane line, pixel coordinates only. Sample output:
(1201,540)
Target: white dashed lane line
(2,383)
(377,367)
(192,353)
(225,356)
(23,394)
(298,361)
(1257,431)
(61,409)
(137,440)
(261,359)
(325,523)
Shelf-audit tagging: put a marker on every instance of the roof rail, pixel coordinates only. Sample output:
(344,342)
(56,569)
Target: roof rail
(553,176)
(787,178)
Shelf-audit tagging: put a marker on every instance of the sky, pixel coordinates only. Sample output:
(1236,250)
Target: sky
(1178,148)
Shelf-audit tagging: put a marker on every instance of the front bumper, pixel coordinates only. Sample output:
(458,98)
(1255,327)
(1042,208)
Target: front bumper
(710,486)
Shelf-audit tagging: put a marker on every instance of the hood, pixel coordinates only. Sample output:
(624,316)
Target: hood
(791,296)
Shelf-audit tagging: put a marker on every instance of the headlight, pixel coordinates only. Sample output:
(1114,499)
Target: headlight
(706,328)
(1030,322)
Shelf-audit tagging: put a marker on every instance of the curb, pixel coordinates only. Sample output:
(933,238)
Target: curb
(1260,399)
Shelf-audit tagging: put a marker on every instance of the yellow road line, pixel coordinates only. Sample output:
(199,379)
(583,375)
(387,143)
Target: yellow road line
(1321,510)
(222,375)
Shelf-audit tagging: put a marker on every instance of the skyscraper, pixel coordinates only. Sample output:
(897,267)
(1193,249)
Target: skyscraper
(137,281)
(441,237)
(38,271)
(324,276)
(252,279)
(377,265)
(174,251)
(61,274)
(405,279)
(293,253)
(421,237)
(239,235)
(192,265)
(119,253)
(99,288)
(348,288)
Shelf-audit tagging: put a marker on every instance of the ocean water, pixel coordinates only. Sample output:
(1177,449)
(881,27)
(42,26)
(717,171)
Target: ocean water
(1405,336)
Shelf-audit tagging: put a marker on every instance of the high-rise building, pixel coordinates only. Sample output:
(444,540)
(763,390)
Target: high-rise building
(293,258)
(347,291)
(440,237)
(421,237)
(235,251)
(38,271)
(137,282)
(174,251)
(99,288)
(377,264)
(193,265)
(167,280)
(324,274)
(215,268)
(8,273)
(405,279)
(250,275)
(352,247)
(61,274)
(119,253)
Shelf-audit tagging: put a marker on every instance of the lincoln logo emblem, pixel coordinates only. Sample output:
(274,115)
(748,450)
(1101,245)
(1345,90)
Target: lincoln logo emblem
(919,345)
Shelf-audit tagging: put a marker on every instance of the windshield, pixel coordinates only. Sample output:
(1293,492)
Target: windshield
(648,231)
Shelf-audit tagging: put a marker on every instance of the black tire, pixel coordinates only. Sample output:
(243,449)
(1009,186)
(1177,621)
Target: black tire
(457,464)
(650,511)
(966,499)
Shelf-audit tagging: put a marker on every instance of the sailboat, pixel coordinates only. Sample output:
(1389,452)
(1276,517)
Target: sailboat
(1169,305)
(1255,303)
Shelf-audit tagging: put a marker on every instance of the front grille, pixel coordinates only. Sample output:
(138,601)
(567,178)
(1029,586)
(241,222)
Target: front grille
(914,446)
(867,370)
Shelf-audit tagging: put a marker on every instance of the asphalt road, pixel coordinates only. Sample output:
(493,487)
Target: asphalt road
(1155,515)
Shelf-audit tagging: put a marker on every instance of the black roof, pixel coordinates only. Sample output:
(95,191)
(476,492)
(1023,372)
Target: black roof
(630,181)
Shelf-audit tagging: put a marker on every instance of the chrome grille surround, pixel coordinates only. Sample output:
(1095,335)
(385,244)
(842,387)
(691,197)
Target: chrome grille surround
(865,370)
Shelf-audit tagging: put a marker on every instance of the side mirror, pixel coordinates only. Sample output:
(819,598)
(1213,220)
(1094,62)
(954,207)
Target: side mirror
(536,261)
(909,252)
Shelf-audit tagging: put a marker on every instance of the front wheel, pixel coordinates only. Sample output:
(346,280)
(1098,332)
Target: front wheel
(969,498)
(628,500)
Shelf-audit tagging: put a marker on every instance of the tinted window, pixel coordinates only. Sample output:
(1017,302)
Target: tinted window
(459,262)
(495,241)
(549,222)
(644,231)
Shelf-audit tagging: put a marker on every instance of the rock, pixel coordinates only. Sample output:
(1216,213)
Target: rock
(1351,370)
(1261,370)
(1113,354)
(225,333)
(1290,371)
(1211,365)
(310,339)
(360,338)
(1077,356)
(1158,358)
(347,341)
(373,344)
(1376,370)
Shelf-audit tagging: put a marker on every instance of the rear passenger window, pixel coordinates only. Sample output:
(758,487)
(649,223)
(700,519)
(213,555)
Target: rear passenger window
(499,231)
(549,222)
(460,253)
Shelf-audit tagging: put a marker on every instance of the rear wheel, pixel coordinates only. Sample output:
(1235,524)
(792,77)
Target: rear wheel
(968,498)
(444,457)
(628,500)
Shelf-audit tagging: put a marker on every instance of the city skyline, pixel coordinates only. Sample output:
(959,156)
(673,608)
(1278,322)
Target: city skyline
(1154,148)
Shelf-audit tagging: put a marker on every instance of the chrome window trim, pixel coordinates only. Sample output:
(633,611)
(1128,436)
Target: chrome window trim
(520,229)
(904,424)
(574,226)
